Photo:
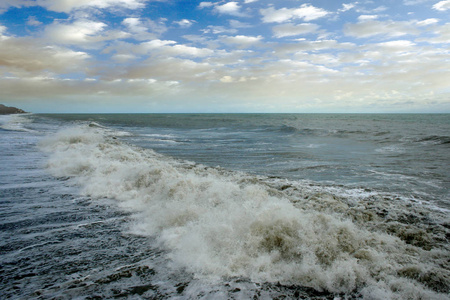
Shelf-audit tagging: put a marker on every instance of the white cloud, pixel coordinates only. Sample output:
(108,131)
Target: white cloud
(396,46)
(293,69)
(372,28)
(218,30)
(442,5)
(428,22)
(414,2)
(33,21)
(144,29)
(347,6)
(230,8)
(306,12)
(185,23)
(3,29)
(68,5)
(227,79)
(307,45)
(241,41)
(77,33)
(293,30)
(367,17)
(154,44)
(238,24)
(205,4)
(183,50)
(82,33)
(122,58)
(24,56)
(442,35)
(380,9)
(158,48)
(170,68)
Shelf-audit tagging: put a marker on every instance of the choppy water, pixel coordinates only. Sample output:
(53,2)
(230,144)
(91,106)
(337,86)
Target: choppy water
(225,206)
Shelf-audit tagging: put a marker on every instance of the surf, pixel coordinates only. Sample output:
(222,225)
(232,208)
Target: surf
(217,223)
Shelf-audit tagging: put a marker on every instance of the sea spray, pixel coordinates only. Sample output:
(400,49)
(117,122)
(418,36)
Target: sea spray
(218,223)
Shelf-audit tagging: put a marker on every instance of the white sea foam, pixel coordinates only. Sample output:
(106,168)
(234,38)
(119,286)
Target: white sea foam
(220,224)
(390,149)
(14,122)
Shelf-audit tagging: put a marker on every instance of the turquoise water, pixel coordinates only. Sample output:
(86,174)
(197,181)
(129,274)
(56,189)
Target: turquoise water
(194,206)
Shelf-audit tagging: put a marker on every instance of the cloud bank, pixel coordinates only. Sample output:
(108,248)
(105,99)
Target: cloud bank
(224,56)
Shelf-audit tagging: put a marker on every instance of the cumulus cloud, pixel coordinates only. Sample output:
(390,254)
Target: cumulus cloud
(171,48)
(414,2)
(289,29)
(396,46)
(23,56)
(95,93)
(370,28)
(441,35)
(241,41)
(183,50)
(367,17)
(305,63)
(306,12)
(185,23)
(33,21)
(347,6)
(156,48)
(239,24)
(123,58)
(230,8)
(83,33)
(442,5)
(79,32)
(144,28)
(68,5)
(302,45)
(156,44)
(218,29)
(170,68)
(205,4)
(428,22)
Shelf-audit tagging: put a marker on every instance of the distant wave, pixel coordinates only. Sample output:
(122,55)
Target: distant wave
(15,122)
(435,140)
(324,132)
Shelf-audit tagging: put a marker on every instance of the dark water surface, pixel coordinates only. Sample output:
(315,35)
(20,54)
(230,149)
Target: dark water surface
(225,206)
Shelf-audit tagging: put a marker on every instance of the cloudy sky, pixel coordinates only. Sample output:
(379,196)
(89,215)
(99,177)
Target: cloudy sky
(225,56)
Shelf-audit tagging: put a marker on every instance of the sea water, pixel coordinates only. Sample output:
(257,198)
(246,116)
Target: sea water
(225,206)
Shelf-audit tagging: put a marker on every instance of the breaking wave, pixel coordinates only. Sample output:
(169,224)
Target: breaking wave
(220,224)
(15,122)
(435,140)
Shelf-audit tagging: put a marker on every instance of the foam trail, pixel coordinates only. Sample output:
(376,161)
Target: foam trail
(219,224)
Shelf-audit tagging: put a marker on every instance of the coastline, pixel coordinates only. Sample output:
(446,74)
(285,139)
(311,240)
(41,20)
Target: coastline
(10,110)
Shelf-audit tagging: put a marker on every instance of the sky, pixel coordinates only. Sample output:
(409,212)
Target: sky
(285,56)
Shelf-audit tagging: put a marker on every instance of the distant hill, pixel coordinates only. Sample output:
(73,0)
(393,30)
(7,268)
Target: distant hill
(4,110)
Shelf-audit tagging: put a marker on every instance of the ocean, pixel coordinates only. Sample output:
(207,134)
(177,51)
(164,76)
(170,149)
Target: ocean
(225,206)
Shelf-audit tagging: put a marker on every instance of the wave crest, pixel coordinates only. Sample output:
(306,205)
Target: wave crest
(219,223)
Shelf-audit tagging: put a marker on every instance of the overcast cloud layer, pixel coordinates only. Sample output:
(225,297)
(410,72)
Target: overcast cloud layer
(225,56)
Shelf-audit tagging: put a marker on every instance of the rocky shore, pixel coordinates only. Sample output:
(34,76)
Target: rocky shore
(5,110)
